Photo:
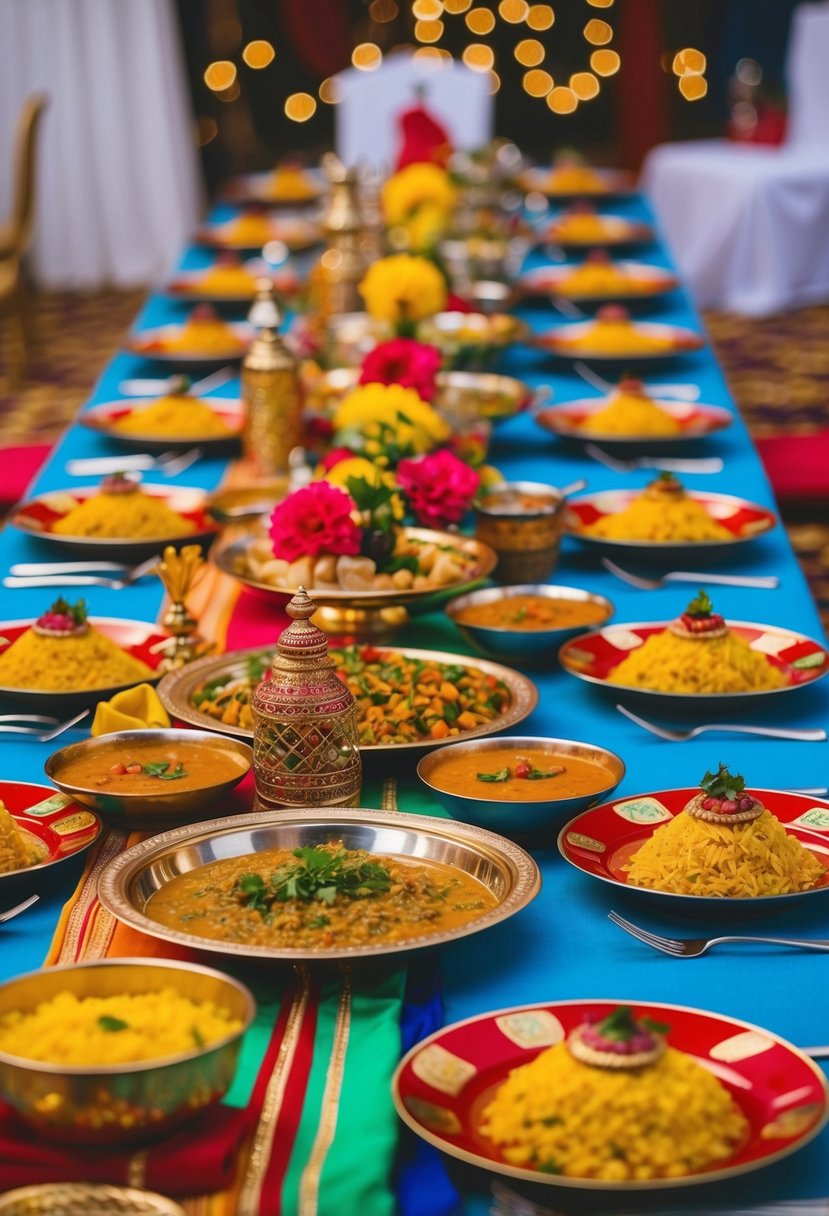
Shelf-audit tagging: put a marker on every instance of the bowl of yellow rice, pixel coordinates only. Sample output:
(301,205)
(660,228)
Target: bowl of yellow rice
(119,1051)
(173,420)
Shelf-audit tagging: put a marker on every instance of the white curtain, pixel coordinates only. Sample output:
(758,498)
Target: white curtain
(119,188)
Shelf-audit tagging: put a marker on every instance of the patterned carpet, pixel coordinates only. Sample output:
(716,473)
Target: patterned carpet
(778,371)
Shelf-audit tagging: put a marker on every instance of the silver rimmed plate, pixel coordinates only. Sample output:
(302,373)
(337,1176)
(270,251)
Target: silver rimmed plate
(565,342)
(154,344)
(571,420)
(128,883)
(641,282)
(104,419)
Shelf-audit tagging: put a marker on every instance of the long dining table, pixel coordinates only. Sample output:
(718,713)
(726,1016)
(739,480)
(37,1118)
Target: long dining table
(562,946)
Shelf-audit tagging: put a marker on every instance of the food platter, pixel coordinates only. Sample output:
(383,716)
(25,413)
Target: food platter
(616,230)
(177,689)
(746,521)
(695,422)
(38,518)
(600,841)
(443,1084)
(297,233)
(194,285)
(560,342)
(608,183)
(103,418)
(592,656)
(152,344)
(138,638)
(646,282)
(129,881)
(62,826)
(260,189)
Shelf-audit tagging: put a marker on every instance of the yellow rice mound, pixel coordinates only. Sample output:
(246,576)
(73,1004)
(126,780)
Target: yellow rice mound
(67,1029)
(70,664)
(125,516)
(17,849)
(667,663)
(665,1120)
(631,414)
(691,857)
(618,338)
(204,337)
(661,520)
(175,415)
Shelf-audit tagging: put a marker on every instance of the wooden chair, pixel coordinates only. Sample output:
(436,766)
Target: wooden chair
(16,237)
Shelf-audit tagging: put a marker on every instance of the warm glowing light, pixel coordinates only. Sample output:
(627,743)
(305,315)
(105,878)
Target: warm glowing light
(605,63)
(562,100)
(514,10)
(598,32)
(480,20)
(748,71)
(529,52)
(220,75)
(259,53)
(383,10)
(329,91)
(427,10)
(688,61)
(600,3)
(494,82)
(456,6)
(428,31)
(299,107)
(584,85)
(537,83)
(540,17)
(367,56)
(693,88)
(432,52)
(206,129)
(478,57)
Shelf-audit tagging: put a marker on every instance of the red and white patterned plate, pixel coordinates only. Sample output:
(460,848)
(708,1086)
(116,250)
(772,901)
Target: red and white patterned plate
(154,344)
(102,418)
(561,342)
(647,281)
(616,230)
(62,826)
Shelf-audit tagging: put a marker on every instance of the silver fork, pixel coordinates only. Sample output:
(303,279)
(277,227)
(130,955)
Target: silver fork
(10,913)
(769,581)
(667,464)
(77,574)
(693,947)
(767,732)
(169,464)
(34,732)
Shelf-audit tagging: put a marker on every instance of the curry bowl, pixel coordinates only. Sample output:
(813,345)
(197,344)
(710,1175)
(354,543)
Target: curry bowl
(508,875)
(158,796)
(565,777)
(111,1104)
(519,635)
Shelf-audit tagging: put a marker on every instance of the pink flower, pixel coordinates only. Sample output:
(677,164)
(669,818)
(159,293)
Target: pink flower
(440,488)
(314,520)
(403,361)
(335,456)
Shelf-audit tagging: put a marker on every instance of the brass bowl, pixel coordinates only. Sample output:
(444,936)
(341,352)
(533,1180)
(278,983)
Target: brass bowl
(526,536)
(132,878)
(116,1103)
(83,1199)
(167,806)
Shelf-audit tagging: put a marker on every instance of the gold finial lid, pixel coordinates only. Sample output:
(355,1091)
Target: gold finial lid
(301,639)
(264,312)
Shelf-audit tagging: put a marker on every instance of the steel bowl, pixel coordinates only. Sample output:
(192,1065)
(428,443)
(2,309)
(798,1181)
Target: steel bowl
(534,648)
(536,820)
(167,806)
(111,1104)
(131,879)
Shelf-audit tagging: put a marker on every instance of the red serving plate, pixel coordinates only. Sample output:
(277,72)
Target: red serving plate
(442,1085)
(695,421)
(593,656)
(192,285)
(542,180)
(61,824)
(617,231)
(296,232)
(153,344)
(601,841)
(559,342)
(102,418)
(552,281)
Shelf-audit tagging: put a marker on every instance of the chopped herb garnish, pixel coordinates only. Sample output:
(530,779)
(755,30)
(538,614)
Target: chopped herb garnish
(536,774)
(501,775)
(111,1024)
(700,605)
(809,660)
(722,784)
(197,1037)
(160,769)
(318,874)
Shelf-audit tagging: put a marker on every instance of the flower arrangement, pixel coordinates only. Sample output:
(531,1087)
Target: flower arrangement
(402,290)
(316,519)
(439,488)
(418,201)
(387,422)
(403,361)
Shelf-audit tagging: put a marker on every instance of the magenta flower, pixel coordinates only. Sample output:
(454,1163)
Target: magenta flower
(403,361)
(440,488)
(314,520)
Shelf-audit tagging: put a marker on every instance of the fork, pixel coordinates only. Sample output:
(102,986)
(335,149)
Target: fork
(34,732)
(679,392)
(668,464)
(10,913)
(693,947)
(77,574)
(170,464)
(767,732)
(769,581)
(153,388)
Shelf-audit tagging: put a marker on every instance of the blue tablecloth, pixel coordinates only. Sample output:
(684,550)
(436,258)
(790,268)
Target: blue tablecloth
(563,945)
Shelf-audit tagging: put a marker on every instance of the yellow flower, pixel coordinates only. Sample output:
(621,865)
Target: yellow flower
(359,467)
(425,227)
(413,423)
(403,289)
(414,186)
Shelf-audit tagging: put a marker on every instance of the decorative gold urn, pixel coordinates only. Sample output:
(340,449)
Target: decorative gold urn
(271,391)
(335,279)
(305,743)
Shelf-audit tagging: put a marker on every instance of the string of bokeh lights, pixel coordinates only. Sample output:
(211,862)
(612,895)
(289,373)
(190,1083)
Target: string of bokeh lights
(429,27)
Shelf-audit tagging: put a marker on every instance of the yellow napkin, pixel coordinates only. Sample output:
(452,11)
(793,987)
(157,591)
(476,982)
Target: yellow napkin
(133,709)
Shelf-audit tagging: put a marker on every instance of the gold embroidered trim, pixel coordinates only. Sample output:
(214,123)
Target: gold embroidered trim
(111,847)
(137,1170)
(310,1182)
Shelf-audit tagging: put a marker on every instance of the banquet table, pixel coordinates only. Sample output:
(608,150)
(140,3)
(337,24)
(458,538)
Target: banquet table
(563,945)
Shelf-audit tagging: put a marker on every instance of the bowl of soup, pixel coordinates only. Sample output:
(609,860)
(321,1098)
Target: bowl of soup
(149,779)
(526,623)
(524,786)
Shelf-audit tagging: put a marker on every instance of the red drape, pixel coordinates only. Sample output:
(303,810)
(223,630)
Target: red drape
(643,85)
(319,33)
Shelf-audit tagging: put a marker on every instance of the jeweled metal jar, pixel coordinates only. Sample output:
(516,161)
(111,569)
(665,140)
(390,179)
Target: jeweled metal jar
(305,742)
(271,392)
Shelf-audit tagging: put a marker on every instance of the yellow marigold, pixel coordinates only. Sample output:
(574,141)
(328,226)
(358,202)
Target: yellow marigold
(403,288)
(415,186)
(424,228)
(358,467)
(372,407)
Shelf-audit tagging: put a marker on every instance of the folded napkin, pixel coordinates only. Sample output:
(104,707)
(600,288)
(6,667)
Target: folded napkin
(133,709)
(195,1161)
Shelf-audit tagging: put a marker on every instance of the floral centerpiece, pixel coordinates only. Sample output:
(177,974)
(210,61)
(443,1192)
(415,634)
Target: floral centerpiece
(401,290)
(418,202)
